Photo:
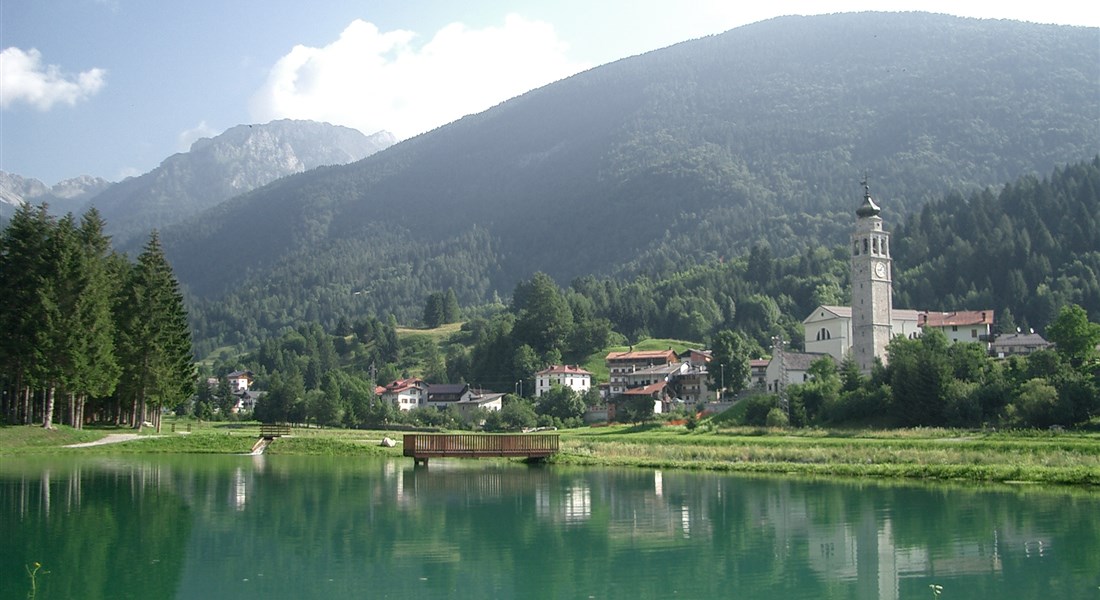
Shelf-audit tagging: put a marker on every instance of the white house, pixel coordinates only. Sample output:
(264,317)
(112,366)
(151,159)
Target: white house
(405,394)
(570,376)
(240,381)
(482,400)
(961,326)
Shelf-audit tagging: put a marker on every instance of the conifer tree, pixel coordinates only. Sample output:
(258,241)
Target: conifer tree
(158,368)
(23,269)
(93,317)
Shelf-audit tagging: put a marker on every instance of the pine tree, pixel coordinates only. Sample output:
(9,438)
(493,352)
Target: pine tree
(61,362)
(450,307)
(23,269)
(158,368)
(93,316)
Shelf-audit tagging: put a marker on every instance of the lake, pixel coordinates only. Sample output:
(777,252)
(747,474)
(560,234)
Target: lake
(274,527)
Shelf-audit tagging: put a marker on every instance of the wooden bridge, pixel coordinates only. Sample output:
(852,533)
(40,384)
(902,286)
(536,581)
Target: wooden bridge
(423,446)
(270,431)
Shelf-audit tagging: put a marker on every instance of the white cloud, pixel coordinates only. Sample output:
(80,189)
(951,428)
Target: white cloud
(190,136)
(374,80)
(23,78)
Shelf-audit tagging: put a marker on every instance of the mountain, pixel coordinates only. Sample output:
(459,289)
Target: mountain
(654,163)
(214,169)
(66,196)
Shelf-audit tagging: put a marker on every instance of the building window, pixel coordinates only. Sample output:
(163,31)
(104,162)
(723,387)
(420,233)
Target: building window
(954,328)
(973,333)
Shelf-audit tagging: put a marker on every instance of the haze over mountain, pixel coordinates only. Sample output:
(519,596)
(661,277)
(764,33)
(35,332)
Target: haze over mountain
(656,162)
(215,169)
(65,196)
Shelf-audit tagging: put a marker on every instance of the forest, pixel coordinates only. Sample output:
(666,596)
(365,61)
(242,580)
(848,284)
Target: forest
(89,335)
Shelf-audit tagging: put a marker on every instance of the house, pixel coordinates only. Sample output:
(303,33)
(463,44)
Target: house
(405,394)
(246,401)
(645,376)
(1016,344)
(621,364)
(442,395)
(689,385)
(696,358)
(572,377)
(658,392)
(758,374)
(240,381)
(479,400)
(796,366)
(960,326)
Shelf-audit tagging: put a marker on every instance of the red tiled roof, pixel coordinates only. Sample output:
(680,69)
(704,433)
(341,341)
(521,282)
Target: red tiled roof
(648,390)
(962,317)
(401,385)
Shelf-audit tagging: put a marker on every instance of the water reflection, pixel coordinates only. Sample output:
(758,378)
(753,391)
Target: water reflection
(279,527)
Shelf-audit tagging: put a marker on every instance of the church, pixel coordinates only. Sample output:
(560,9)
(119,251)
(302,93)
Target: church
(863,329)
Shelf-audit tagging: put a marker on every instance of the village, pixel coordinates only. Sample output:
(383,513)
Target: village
(671,380)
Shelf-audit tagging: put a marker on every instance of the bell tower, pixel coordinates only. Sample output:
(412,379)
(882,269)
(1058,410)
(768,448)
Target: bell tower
(872,285)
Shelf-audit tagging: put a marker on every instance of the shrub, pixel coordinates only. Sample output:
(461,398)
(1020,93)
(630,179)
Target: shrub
(777,418)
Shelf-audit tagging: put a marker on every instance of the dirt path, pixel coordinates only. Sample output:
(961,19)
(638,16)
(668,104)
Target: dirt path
(111,438)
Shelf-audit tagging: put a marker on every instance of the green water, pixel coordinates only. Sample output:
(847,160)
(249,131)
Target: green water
(295,527)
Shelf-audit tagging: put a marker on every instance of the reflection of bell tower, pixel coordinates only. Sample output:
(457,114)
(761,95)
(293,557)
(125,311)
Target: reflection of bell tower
(872,292)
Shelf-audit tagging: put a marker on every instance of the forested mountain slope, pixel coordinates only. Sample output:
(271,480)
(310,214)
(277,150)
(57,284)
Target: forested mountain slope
(656,162)
(1025,250)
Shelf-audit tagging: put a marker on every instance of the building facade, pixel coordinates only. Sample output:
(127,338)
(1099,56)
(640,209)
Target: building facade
(620,365)
(570,376)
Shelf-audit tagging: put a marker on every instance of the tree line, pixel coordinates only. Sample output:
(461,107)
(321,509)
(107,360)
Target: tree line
(90,336)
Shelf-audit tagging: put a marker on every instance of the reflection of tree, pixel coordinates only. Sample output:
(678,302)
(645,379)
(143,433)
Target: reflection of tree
(100,534)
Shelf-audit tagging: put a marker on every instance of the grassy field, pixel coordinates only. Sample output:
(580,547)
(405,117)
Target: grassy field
(439,334)
(1064,458)
(1023,456)
(597,365)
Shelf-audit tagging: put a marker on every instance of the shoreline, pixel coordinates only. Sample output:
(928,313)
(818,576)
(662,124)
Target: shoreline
(1032,457)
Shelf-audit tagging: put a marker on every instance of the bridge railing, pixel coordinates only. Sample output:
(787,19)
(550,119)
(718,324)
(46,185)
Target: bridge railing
(472,445)
(274,430)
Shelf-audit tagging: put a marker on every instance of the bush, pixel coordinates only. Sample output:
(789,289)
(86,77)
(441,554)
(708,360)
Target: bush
(777,418)
(756,409)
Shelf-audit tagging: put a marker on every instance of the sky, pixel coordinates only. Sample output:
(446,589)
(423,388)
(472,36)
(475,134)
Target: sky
(110,88)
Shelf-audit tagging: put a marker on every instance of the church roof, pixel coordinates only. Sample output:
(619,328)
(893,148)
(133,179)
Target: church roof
(826,312)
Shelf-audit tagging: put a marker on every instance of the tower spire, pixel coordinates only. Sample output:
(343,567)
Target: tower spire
(868,208)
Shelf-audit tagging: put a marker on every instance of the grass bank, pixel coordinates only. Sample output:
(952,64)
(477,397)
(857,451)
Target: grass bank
(192,437)
(1063,458)
(1023,456)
